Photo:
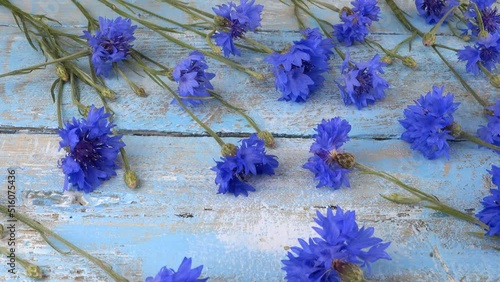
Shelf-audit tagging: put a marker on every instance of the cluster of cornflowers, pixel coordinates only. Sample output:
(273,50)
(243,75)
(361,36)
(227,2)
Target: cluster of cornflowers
(356,21)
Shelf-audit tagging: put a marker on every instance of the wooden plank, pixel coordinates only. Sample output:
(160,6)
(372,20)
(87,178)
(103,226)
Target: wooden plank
(275,16)
(243,239)
(28,104)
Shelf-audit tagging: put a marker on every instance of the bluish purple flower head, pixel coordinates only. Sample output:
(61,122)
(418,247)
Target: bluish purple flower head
(491,132)
(486,51)
(192,77)
(427,123)
(434,10)
(250,159)
(490,214)
(367,8)
(356,23)
(489,15)
(329,138)
(362,85)
(238,20)
(183,274)
(111,43)
(91,151)
(299,72)
(341,240)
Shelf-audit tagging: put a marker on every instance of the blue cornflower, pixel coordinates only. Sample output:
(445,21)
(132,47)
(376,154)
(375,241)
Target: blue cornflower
(250,159)
(434,10)
(356,22)
(354,27)
(327,148)
(428,123)
(91,150)
(489,15)
(342,241)
(486,51)
(233,22)
(110,44)
(192,77)
(362,84)
(298,72)
(491,132)
(490,214)
(183,274)
(367,8)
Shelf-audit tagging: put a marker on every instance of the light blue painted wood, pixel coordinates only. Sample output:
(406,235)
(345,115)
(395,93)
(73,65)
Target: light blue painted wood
(240,239)
(244,239)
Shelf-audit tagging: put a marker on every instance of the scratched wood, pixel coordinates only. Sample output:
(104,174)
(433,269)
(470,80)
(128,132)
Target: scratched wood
(177,212)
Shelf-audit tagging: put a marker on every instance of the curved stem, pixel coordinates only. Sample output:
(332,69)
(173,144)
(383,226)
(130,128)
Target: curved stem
(31,68)
(435,203)
(47,232)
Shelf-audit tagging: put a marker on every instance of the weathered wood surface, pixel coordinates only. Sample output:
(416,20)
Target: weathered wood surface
(177,212)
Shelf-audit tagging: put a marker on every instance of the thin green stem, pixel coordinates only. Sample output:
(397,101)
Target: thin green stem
(32,270)
(462,81)
(259,45)
(326,5)
(446,47)
(441,21)
(59,103)
(409,39)
(182,43)
(435,203)
(193,116)
(478,141)
(484,70)
(479,17)
(47,232)
(38,66)
(236,109)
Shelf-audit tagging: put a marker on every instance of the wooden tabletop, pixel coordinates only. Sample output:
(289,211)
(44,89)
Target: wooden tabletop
(176,212)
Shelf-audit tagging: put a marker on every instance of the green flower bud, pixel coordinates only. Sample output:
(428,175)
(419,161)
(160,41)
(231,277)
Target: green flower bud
(267,137)
(170,74)
(348,11)
(220,22)
(400,199)
(429,39)
(286,49)
(130,178)
(387,59)
(61,72)
(34,271)
(495,80)
(140,91)
(228,149)
(108,93)
(482,34)
(86,111)
(348,272)
(409,62)
(456,129)
(2,230)
(465,38)
(345,160)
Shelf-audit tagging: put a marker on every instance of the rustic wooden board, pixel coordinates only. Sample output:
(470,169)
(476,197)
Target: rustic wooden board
(177,212)
(243,239)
